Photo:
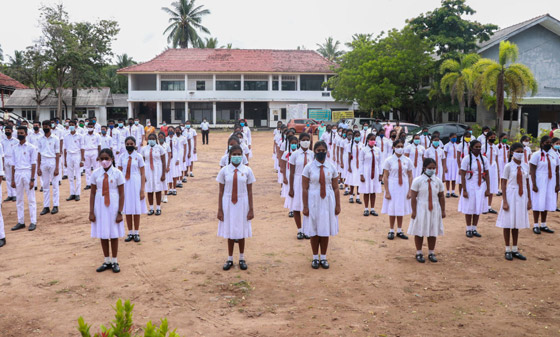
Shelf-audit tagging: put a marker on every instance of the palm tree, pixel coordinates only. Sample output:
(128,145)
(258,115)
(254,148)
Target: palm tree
(208,43)
(458,80)
(185,19)
(1,54)
(359,40)
(504,78)
(330,49)
(124,61)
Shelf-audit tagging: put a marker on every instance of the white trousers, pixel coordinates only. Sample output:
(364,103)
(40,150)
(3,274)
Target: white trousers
(48,166)
(22,179)
(8,170)
(90,164)
(2,233)
(74,172)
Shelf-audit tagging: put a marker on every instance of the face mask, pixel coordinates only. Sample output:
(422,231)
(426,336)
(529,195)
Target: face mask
(470,131)
(305,144)
(72,128)
(371,143)
(136,122)
(35,128)
(373,132)
(103,132)
(52,125)
(151,142)
(321,156)
(453,140)
(518,156)
(130,148)
(366,127)
(435,143)
(111,127)
(393,136)
(90,130)
(344,135)
(504,141)
(526,143)
(148,124)
(46,130)
(430,172)
(188,126)
(8,134)
(229,147)
(81,125)
(399,150)
(416,141)
(161,140)
(130,123)
(545,147)
(293,147)
(106,164)
(121,125)
(66,124)
(242,124)
(236,160)
(164,124)
(425,133)
(171,133)
(381,135)
(357,139)
(93,121)
(21,137)
(485,133)
(467,139)
(307,125)
(491,141)
(557,147)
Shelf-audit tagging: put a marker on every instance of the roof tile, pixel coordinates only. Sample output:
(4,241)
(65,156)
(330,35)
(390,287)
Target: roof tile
(7,81)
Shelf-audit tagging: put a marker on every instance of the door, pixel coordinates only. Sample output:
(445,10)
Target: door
(258,112)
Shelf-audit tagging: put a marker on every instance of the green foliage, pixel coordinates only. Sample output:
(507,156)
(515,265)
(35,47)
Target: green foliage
(121,326)
(476,130)
(330,49)
(542,133)
(459,80)
(185,23)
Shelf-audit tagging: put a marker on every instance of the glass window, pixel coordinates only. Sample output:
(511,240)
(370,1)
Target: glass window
(312,82)
(172,85)
(180,111)
(166,112)
(283,113)
(228,85)
(275,83)
(289,83)
(200,85)
(255,85)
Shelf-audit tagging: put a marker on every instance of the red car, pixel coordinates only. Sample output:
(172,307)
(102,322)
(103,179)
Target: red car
(300,124)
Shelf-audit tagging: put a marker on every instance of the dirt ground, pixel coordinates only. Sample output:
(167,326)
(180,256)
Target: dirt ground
(374,287)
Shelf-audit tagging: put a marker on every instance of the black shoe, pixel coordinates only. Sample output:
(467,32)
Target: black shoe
(536,230)
(8,199)
(469,234)
(32,227)
(169,192)
(2,242)
(174,192)
(351,200)
(64,177)
(477,234)
(402,236)
(151,212)
(391,235)
(366,213)
(54,210)
(518,255)
(41,190)
(184,180)
(129,238)
(45,211)
(72,197)
(35,188)
(306,237)
(509,256)
(492,211)
(77,198)
(228,265)
(454,195)
(242,265)
(358,201)
(18,226)
(300,236)
(558,210)
(14,199)
(315,264)
(158,211)
(136,237)
(420,258)
(374,213)
(104,267)
(499,194)
(116,268)
(432,258)
(546,229)
(291,214)
(346,192)
(447,195)
(324,264)
(191,175)
(179,185)
(87,187)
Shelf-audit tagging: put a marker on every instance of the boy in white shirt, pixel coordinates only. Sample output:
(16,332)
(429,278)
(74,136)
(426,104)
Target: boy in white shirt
(92,147)
(8,144)
(139,133)
(48,163)
(74,160)
(107,141)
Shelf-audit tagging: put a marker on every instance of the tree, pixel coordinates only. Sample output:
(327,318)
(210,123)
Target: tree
(458,80)
(1,54)
(359,39)
(211,43)
(504,78)
(330,49)
(118,83)
(185,23)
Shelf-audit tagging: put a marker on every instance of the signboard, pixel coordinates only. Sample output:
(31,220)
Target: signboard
(336,115)
(320,115)
(296,111)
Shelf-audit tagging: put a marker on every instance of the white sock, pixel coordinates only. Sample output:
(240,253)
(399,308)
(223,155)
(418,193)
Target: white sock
(430,251)
(151,207)
(508,249)
(535,225)
(353,195)
(372,209)
(300,230)
(358,198)
(323,257)
(448,192)
(399,230)
(391,230)
(114,260)
(230,258)
(241,256)
(315,257)
(158,207)
(366,209)
(418,252)
(469,228)
(514,249)
(543,224)
(107,260)
(473,228)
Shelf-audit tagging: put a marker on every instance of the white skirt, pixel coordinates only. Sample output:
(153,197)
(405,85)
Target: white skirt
(452,169)
(545,198)
(105,226)
(321,220)
(518,215)
(426,223)
(235,225)
(353,178)
(493,178)
(175,170)
(370,186)
(133,205)
(476,203)
(153,179)
(399,205)
(296,203)
(416,171)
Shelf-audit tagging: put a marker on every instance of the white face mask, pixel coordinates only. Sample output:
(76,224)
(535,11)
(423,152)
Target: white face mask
(305,144)
(518,156)
(526,143)
(429,172)
(399,150)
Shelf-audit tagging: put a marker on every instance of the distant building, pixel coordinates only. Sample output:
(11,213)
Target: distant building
(7,86)
(226,84)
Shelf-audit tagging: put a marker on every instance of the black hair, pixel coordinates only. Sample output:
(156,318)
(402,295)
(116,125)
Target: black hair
(234,138)
(22,128)
(525,137)
(473,143)
(485,128)
(290,139)
(319,144)
(426,162)
(91,124)
(488,135)
(554,140)
(370,135)
(130,138)
(434,135)
(304,134)
(72,122)
(543,139)
(397,142)
(514,147)
(152,134)
(47,123)
(109,152)
(233,148)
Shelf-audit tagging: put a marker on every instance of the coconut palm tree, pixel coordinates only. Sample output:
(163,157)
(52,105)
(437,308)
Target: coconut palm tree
(185,23)
(458,80)
(330,49)
(504,78)
(124,61)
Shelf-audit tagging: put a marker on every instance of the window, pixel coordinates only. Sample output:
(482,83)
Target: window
(91,113)
(172,85)
(29,114)
(299,121)
(228,85)
(200,85)
(452,116)
(256,85)
(180,111)
(52,113)
(312,82)
(283,113)
(289,83)
(166,112)
(470,114)
(275,83)
(200,82)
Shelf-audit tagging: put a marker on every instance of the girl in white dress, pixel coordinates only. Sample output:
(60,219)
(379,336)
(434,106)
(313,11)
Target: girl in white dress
(285,168)
(235,205)
(182,141)
(425,138)
(516,202)
(490,151)
(435,152)
(298,161)
(174,167)
(233,140)
(321,203)
(428,210)
(451,154)
(192,135)
(353,175)
(247,132)
(370,168)
(154,157)
(527,151)
(344,140)
(544,177)
(397,178)
(131,165)
(105,208)
(168,154)
(474,183)
(503,158)
(244,147)
(415,152)
(384,145)
(464,151)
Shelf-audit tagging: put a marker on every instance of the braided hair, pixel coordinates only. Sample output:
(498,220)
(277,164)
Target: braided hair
(472,144)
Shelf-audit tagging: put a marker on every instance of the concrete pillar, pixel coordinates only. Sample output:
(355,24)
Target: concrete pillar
(130,112)
(214,109)
(242,82)
(242,110)
(158,82)
(187,112)
(279,82)
(129,82)
(186,82)
(518,118)
(269,82)
(214,83)
(325,88)
(298,83)
(158,114)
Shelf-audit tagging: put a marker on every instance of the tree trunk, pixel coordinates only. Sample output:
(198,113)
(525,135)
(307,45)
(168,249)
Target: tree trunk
(462,112)
(500,103)
(59,103)
(74,96)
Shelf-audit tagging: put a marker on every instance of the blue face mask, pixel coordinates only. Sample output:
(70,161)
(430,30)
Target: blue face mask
(453,140)
(357,139)
(343,135)
(52,125)
(120,125)
(366,127)
(103,132)
(557,147)
(72,128)
(242,124)
(188,126)
(293,147)
(111,127)
(93,121)
(470,131)
(236,160)
(151,142)
(381,135)
(435,143)
(417,141)
(136,122)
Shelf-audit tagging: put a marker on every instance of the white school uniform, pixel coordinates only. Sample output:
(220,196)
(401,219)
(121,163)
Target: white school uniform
(73,144)
(107,142)
(153,177)
(328,138)
(451,154)
(24,157)
(370,156)
(385,147)
(416,155)
(503,158)
(282,148)
(33,138)
(191,134)
(527,153)
(425,141)
(184,146)
(235,225)
(398,205)
(353,149)
(298,161)
(120,134)
(133,205)
(343,159)
(427,223)
(462,151)
(3,175)
(49,149)
(286,187)
(545,198)
(224,161)
(248,137)
(138,132)
(105,225)
(517,216)
(91,143)
(175,145)
(322,220)
(476,203)
(491,153)
(168,177)
(438,155)
(8,146)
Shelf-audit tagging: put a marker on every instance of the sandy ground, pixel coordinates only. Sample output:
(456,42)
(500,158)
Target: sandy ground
(374,287)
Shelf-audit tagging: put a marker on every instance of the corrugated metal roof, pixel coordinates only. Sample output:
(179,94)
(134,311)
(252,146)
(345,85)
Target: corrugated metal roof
(118,101)
(86,98)
(539,101)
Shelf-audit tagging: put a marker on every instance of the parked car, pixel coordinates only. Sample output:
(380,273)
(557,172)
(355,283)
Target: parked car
(300,124)
(445,129)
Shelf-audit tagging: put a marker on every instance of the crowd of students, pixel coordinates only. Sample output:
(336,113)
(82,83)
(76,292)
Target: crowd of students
(416,176)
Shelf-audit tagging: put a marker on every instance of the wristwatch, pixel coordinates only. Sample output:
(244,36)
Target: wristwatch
(119,213)
(33,179)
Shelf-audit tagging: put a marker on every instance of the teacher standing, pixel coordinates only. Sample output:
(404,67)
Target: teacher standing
(205,127)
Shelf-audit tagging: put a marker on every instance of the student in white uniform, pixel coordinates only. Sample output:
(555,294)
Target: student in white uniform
(233,140)
(107,141)
(132,166)
(298,161)
(415,152)
(463,149)
(321,203)
(33,138)
(139,133)
(192,137)
(247,132)
(106,208)
(328,138)
(474,183)
(235,205)
(516,202)
(397,178)
(425,138)
(2,176)
(452,155)
(48,160)
(175,168)
(154,158)
(385,146)
(370,168)
(503,157)
(119,135)
(428,210)
(8,144)
(346,139)
(527,151)
(435,152)
(74,160)
(285,168)
(92,147)
(167,151)
(484,135)
(353,173)
(24,165)
(490,151)
(544,178)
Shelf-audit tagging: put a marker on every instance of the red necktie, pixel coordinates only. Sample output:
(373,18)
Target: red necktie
(400,173)
(491,151)
(416,157)
(234,188)
(549,168)
(520,180)
(323,183)
(357,158)
(381,144)
(479,172)
(454,152)
(304,158)
(151,159)
(437,163)
(372,164)
(105,191)
(127,176)
(430,203)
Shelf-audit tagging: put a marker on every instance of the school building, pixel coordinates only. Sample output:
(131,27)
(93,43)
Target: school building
(7,86)
(223,85)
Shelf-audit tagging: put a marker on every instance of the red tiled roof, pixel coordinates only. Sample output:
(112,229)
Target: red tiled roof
(7,81)
(234,60)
